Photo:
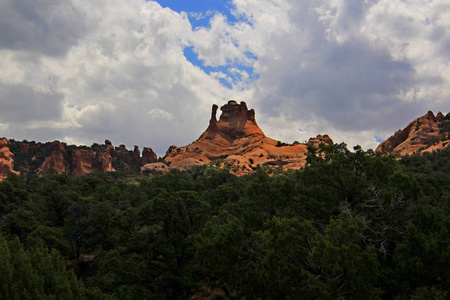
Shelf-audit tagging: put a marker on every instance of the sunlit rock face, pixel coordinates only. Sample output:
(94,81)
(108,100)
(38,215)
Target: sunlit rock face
(57,160)
(426,133)
(6,159)
(235,141)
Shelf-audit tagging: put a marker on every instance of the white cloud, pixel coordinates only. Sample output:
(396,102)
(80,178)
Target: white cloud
(199,16)
(158,113)
(336,63)
(46,27)
(84,71)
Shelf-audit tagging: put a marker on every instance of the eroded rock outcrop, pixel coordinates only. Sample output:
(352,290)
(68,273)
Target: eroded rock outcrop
(57,160)
(235,141)
(171,148)
(319,139)
(39,157)
(148,156)
(6,159)
(83,162)
(426,133)
(235,122)
(105,162)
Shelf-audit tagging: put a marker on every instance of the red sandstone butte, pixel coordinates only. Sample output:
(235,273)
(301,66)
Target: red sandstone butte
(236,141)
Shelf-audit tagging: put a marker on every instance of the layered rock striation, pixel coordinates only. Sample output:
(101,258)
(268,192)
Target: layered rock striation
(426,133)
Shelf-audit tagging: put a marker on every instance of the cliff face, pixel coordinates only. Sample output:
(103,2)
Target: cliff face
(77,161)
(237,142)
(31,157)
(6,159)
(58,160)
(426,133)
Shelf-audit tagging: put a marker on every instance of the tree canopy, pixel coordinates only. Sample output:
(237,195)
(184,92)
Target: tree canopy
(350,225)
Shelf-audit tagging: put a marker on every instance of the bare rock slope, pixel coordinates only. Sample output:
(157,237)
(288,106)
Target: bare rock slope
(426,133)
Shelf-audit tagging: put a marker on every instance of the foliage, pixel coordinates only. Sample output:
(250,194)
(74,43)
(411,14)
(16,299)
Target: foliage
(31,160)
(350,225)
(29,157)
(36,273)
(444,125)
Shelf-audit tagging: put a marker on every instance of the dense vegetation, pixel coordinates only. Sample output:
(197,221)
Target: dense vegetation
(351,225)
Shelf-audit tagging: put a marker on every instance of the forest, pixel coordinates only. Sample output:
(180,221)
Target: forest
(350,225)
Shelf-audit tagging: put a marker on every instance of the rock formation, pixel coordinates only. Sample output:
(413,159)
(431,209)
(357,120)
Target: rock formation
(83,162)
(148,156)
(426,133)
(319,139)
(58,160)
(74,160)
(155,168)
(171,148)
(235,141)
(105,162)
(6,159)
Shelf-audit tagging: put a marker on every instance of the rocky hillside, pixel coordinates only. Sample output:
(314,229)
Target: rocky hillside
(426,133)
(236,142)
(36,158)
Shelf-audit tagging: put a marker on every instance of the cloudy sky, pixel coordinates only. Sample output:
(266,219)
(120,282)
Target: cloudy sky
(147,72)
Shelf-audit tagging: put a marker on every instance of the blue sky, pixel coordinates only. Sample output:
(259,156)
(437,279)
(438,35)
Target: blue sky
(200,11)
(141,72)
(200,14)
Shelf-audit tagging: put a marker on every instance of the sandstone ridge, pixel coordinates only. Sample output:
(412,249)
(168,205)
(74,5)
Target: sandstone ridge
(424,134)
(31,157)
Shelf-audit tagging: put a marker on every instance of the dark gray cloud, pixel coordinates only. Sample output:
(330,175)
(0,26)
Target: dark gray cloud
(85,71)
(351,86)
(331,66)
(49,27)
(21,104)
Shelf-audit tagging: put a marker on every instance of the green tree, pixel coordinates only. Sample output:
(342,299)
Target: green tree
(37,273)
(342,266)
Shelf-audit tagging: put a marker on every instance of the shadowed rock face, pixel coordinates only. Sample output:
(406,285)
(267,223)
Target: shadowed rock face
(236,140)
(423,134)
(148,156)
(235,122)
(315,142)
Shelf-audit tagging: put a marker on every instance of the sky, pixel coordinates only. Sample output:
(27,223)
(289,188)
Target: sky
(146,73)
